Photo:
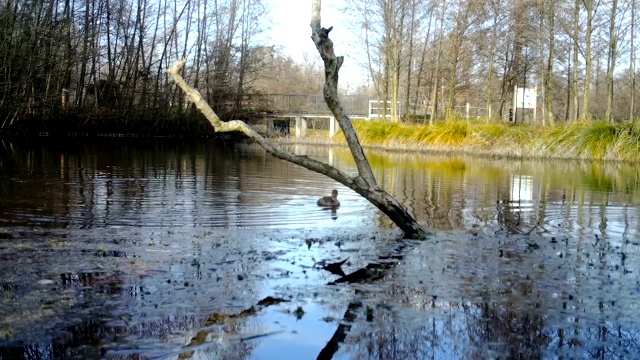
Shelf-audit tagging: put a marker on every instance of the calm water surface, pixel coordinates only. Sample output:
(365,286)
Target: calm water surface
(127,249)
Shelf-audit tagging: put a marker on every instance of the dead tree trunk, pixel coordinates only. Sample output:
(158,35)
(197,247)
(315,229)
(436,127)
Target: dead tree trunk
(365,183)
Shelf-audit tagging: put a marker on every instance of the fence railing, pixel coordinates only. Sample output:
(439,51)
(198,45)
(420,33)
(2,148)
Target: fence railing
(358,105)
(304,103)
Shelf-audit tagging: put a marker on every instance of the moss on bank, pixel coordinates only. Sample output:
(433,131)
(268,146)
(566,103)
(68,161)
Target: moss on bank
(592,140)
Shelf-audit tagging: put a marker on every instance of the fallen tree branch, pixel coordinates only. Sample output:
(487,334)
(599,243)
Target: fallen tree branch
(370,188)
(241,126)
(365,183)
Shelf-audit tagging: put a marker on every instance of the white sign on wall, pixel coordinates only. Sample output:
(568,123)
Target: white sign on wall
(525,98)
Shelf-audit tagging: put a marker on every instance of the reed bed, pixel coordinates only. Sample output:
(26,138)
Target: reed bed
(585,140)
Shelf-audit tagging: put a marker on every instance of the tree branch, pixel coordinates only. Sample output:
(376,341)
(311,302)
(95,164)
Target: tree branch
(332,64)
(238,125)
(368,187)
(365,183)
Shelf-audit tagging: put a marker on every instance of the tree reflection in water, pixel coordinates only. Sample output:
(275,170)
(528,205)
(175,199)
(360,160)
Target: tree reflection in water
(486,330)
(141,243)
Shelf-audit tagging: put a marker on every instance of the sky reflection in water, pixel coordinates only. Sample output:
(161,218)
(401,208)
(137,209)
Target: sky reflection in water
(137,246)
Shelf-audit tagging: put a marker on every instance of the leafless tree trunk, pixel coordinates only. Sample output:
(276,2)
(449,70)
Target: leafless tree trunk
(495,9)
(410,54)
(542,68)
(632,60)
(421,67)
(462,23)
(611,60)
(548,72)
(374,76)
(590,6)
(433,112)
(396,16)
(574,76)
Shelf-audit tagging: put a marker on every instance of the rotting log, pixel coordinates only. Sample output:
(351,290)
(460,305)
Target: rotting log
(364,183)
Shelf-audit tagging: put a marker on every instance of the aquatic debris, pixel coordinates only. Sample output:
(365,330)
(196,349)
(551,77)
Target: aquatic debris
(268,301)
(336,268)
(360,275)
(369,313)
(257,336)
(110,253)
(5,334)
(311,241)
(201,337)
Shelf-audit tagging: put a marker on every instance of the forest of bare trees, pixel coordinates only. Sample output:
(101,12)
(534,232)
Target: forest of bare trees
(69,63)
(435,56)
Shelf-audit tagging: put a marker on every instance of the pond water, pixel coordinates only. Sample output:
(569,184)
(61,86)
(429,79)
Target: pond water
(154,249)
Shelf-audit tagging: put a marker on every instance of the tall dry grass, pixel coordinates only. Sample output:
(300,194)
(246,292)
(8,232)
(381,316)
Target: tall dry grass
(579,140)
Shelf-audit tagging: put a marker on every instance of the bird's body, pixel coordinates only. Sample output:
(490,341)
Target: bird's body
(331,201)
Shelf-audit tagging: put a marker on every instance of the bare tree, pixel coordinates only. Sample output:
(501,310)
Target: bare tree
(410,54)
(590,6)
(611,60)
(112,55)
(496,10)
(575,50)
(433,112)
(364,183)
(465,15)
(548,14)
(632,60)
(274,70)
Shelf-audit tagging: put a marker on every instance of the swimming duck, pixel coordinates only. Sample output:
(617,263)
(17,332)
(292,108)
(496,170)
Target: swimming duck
(330,200)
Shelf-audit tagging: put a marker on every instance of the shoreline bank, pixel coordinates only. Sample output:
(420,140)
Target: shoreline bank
(396,147)
(584,141)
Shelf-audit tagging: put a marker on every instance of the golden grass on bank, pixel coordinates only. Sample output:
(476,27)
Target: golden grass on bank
(580,140)
(597,140)
(449,133)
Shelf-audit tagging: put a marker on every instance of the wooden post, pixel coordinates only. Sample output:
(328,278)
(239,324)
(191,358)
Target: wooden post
(301,127)
(333,126)
(467,112)
(515,103)
(65,100)
(535,105)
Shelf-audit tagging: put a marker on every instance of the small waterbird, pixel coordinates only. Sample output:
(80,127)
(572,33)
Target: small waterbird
(330,200)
